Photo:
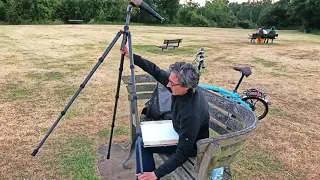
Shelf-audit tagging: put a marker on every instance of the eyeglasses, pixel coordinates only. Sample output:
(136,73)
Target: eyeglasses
(172,84)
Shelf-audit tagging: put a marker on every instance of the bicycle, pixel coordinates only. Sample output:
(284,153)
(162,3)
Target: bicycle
(252,98)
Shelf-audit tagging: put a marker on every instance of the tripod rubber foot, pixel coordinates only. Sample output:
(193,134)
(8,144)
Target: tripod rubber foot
(34,153)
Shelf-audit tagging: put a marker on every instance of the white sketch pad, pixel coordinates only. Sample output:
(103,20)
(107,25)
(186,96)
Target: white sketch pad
(158,133)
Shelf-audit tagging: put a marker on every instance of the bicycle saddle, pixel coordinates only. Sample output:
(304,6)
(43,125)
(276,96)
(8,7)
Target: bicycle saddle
(246,70)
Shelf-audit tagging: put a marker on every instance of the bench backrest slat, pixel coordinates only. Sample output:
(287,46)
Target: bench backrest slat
(217,128)
(257,35)
(230,122)
(171,41)
(141,88)
(139,79)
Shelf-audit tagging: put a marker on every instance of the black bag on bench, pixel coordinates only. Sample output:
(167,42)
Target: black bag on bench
(159,105)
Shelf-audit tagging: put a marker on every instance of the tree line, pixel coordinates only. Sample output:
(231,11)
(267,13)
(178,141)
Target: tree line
(284,14)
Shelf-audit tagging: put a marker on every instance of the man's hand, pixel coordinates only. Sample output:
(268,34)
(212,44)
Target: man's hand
(147,176)
(125,51)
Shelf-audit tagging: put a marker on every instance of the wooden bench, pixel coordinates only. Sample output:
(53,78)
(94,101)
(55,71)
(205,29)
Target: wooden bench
(227,134)
(145,85)
(173,43)
(266,37)
(72,21)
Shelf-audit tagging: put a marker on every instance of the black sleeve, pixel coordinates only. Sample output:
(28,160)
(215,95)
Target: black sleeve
(160,75)
(189,128)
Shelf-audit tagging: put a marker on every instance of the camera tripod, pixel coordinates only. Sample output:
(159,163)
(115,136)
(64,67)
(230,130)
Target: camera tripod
(126,38)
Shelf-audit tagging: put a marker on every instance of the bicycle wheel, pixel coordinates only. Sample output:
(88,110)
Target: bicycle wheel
(258,105)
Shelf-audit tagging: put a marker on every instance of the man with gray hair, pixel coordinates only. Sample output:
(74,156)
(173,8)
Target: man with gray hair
(190,117)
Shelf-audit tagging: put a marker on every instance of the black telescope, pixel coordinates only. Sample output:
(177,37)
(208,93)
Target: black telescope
(144,6)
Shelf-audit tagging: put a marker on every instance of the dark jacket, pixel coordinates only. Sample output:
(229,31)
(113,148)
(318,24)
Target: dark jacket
(190,118)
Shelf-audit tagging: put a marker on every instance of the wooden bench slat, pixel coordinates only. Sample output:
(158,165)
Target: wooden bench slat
(220,130)
(173,43)
(225,119)
(142,88)
(184,172)
(141,96)
(231,107)
(139,79)
(224,161)
(230,149)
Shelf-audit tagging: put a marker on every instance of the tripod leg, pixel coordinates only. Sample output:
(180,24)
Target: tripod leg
(116,101)
(133,81)
(101,59)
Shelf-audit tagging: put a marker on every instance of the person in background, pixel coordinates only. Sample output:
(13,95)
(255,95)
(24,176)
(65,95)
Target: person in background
(272,31)
(264,31)
(260,30)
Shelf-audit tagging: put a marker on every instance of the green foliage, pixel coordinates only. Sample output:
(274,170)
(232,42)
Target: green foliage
(309,11)
(216,13)
(278,14)
(246,24)
(31,11)
(2,11)
(168,9)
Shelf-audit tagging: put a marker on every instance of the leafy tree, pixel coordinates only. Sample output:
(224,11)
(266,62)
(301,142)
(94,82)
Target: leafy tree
(218,12)
(187,11)
(277,15)
(20,11)
(168,9)
(2,11)
(309,11)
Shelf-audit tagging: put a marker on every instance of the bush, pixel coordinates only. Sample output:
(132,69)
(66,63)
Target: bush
(2,11)
(20,11)
(86,10)
(246,24)
(198,20)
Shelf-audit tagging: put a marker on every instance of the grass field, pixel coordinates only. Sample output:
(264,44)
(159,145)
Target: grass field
(41,67)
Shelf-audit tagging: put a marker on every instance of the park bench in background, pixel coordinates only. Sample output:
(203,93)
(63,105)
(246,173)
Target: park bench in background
(266,37)
(73,21)
(173,43)
(227,134)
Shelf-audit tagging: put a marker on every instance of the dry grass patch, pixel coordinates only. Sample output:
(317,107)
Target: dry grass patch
(41,67)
